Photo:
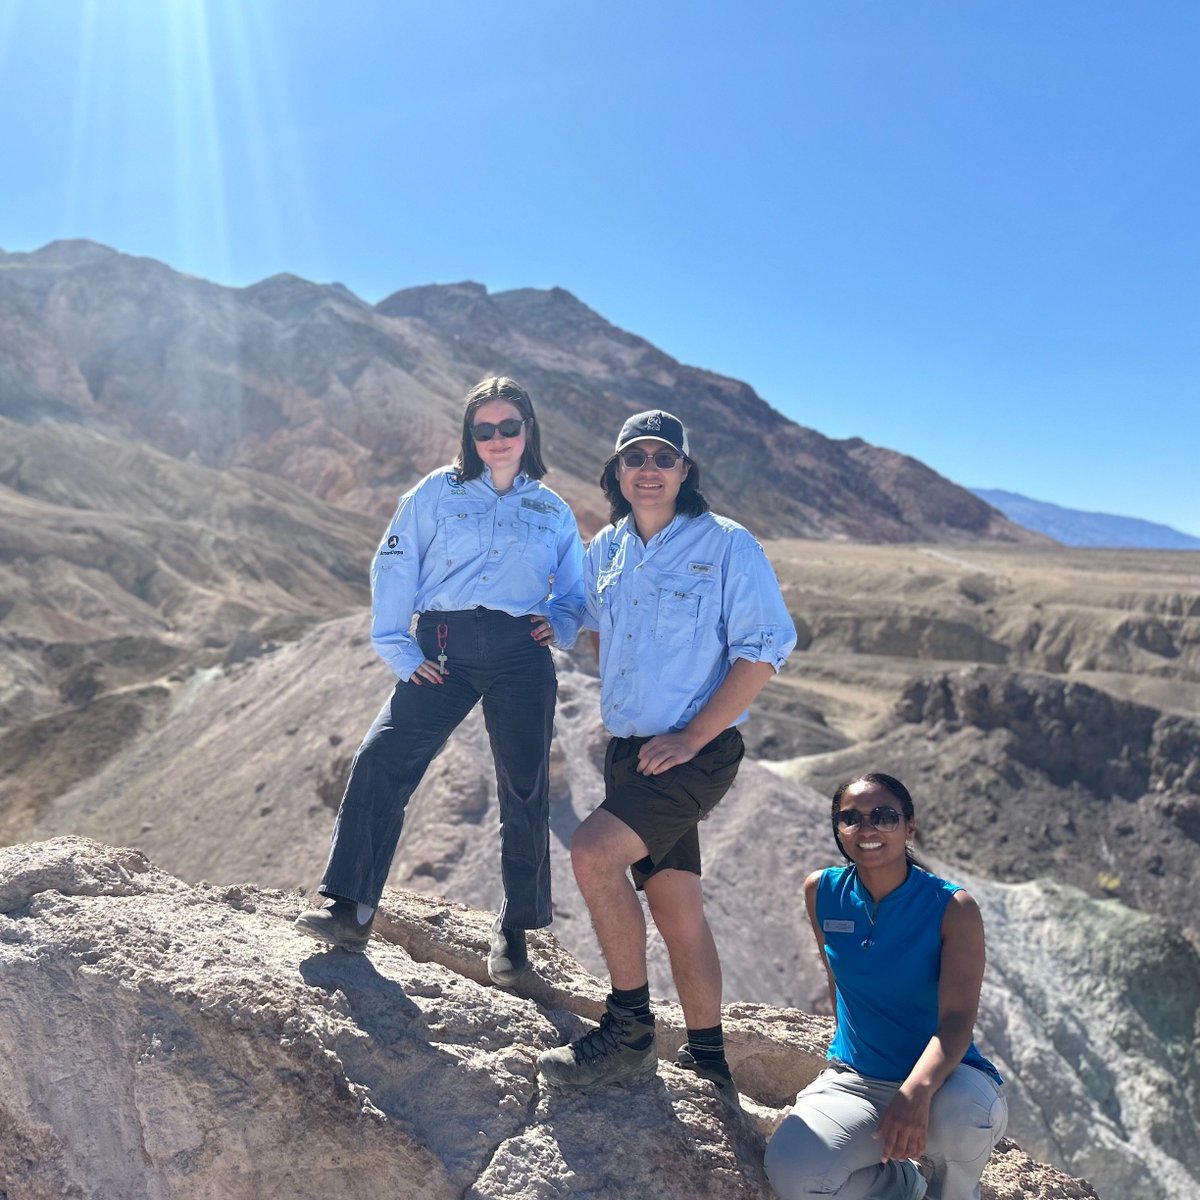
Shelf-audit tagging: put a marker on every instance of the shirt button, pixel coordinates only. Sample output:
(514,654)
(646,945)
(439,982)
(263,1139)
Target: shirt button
(485,579)
(635,604)
(629,637)
(495,551)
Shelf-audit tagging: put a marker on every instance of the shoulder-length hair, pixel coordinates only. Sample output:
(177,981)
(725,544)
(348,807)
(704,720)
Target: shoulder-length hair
(468,464)
(689,503)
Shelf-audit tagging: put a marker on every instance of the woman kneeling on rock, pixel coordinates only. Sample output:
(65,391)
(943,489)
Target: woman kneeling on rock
(904,954)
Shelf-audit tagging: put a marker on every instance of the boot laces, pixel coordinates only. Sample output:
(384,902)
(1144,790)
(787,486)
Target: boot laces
(600,1042)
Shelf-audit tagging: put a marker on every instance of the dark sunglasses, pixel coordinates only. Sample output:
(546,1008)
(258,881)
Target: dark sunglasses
(664,460)
(884,817)
(510,427)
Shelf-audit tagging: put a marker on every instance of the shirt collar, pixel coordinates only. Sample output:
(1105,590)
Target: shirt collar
(626,524)
(520,479)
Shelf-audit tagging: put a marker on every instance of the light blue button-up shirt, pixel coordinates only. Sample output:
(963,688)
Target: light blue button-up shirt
(455,545)
(674,613)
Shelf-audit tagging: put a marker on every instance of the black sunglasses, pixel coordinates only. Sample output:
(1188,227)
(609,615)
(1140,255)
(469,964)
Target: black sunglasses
(664,460)
(510,427)
(884,817)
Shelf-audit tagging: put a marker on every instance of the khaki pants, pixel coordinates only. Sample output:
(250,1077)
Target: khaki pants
(824,1146)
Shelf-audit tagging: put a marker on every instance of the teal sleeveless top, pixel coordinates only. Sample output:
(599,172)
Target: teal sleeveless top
(886,960)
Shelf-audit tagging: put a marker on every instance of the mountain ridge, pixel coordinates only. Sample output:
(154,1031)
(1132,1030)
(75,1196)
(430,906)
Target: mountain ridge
(353,402)
(1076,527)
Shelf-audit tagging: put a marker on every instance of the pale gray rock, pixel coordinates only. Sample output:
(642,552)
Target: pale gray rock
(166,1040)
(242,783)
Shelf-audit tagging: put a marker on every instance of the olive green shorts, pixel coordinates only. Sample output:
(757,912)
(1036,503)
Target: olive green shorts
(664,810)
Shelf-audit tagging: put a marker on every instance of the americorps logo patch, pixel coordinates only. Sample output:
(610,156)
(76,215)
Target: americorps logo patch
(393,541)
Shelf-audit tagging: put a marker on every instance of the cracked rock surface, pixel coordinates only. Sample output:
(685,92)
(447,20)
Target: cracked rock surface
(163,1040)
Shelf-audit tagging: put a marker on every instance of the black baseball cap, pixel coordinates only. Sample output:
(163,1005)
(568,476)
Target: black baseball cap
(654,425)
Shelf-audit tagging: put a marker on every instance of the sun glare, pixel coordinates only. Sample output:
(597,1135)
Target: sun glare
(180,131)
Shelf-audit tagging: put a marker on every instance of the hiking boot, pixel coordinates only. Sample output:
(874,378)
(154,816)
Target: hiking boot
(912,1178)
(337,923)
(620,1051)
(508,959)
(717,1073)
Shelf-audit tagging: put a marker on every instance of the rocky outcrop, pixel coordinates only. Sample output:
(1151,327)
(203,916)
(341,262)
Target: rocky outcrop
(166,1040)
(1066,730)
(1026,776)
(242,781)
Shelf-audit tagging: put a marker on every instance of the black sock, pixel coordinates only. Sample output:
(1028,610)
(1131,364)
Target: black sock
(707,1045)
(636,1000)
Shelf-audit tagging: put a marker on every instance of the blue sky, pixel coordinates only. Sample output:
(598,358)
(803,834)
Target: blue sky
(966,230)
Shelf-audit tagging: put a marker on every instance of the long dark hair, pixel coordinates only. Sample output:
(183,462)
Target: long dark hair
(468,464)
(889,783)
(689,503)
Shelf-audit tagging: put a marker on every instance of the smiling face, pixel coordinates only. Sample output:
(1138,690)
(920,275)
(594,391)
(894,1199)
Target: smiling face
(650,490)
(867,847)
(502,454)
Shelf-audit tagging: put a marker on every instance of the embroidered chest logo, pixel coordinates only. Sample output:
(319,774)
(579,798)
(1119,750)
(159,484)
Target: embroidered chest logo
(829,925)
(393,542)
(700,568)
(455,483)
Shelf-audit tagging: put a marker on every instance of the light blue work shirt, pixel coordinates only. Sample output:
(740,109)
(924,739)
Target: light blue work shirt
(674,613)
(455,545)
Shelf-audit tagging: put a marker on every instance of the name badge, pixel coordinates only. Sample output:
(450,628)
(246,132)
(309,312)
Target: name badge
(832,926)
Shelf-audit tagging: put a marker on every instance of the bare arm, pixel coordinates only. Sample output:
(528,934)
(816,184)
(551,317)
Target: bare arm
(905,1122)
(810,902)
(736,693)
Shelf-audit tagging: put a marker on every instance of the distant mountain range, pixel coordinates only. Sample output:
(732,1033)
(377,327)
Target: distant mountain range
(352,402)
(1075,528)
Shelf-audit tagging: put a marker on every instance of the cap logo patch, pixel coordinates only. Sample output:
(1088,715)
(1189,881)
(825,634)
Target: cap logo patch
(654,421)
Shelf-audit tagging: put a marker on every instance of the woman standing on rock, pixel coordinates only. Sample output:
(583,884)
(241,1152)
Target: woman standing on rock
(904,954)
(491,560)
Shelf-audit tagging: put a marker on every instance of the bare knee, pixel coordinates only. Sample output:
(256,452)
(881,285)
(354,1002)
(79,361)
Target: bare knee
(592,855)
(677,907)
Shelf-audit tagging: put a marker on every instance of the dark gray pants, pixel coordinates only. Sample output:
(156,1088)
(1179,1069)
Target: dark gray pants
(490,656)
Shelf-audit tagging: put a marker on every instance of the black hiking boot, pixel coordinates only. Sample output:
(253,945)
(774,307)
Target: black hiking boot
(620,1051)
(508,958)
(717,1073)
(337,923)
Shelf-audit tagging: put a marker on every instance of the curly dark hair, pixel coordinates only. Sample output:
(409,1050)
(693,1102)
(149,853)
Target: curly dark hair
(468,464)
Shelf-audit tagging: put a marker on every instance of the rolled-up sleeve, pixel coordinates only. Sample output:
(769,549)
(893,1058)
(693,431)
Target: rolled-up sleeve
(566,607)
(758,626)
(395,575)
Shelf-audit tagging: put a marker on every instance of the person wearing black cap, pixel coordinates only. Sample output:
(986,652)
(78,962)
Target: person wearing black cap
(692,624)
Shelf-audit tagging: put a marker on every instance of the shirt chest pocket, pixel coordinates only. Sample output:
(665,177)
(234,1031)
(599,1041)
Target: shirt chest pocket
(538,536)
(464,528)
(679,615)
